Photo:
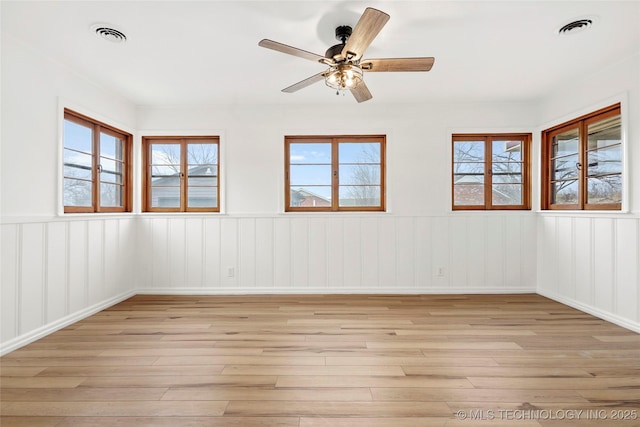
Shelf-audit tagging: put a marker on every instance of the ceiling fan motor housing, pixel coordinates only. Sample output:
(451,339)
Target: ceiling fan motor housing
(343,33)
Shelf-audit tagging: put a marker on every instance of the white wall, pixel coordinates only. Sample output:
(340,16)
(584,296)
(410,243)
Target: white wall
(590,260)
(55,270)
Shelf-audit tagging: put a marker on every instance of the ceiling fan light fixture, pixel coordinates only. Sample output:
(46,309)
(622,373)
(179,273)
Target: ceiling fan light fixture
(343,77)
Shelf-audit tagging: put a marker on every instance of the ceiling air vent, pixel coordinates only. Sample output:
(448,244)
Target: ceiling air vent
(575,26)
(109,33)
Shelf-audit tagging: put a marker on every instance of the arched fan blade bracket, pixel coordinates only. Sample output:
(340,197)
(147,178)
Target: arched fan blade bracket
(397,64)
(361,92)
(306,82)
(367,28)
(328,61)
(290,50)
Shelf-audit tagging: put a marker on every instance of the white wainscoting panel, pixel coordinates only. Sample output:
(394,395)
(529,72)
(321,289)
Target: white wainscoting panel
(591,263)
(56,272)
(338,253)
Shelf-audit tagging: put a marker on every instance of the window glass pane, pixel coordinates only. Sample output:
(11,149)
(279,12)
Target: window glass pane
(506,178)
(506,168)
(111,171)
(604,189)
(77,192)
(566,143)
(78,137)
(77,165)
(165,197)
(310,196)
(605,161)
(111,146)
(604,133)
(165,172)
(468,151)
(564,192)
(468,194)
(203,175)
(358,152)
(359,195)
(110,195)
(166,154)
(506,194)
(310,153)
(565,168)
(202,154)
(468,173)
(361,174)
(506,151)
(202,197)
(202,181)
(302,175)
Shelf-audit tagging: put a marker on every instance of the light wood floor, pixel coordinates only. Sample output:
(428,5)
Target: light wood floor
(308,361)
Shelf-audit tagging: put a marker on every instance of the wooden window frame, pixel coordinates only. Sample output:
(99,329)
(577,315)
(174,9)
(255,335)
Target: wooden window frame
(97,128)
(183,141)
(581,124)
(335,140)
(488,138)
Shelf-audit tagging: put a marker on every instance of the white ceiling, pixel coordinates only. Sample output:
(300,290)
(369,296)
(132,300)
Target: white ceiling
(206,52)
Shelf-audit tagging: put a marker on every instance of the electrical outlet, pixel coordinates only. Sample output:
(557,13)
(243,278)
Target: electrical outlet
(440,272)
(231,271)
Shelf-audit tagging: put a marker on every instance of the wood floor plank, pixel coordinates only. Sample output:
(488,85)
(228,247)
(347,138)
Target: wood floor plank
(395,371)
(240,360)
(42,382)
(420,394)
(342,394)
(180,381)
(333,408)
(128,371)
(496,371)
(85,394)
(370,381)
(114,409)
(179,422)
(31,421)
(320,360)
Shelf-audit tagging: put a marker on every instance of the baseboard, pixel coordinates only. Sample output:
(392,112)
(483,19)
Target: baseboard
(36,334)
(594,311)
(329,291)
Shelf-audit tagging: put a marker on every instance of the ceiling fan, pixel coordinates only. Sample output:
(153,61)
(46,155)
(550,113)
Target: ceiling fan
(344,59)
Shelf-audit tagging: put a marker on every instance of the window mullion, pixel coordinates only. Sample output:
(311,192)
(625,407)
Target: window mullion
(488,174)
(584,167)
(96,168)
(335,178)
(183,175)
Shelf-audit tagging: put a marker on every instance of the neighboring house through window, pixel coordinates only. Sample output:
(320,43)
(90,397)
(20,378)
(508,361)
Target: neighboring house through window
(582,162)
(96,166)
(491,171)
(334,173)
(181,174)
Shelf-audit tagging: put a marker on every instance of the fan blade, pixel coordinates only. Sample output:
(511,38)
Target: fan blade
(290,50)
(361,92)
(306,82)
(367,28)
(397,64)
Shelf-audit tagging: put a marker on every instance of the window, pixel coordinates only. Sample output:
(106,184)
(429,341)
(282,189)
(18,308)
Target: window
(334,173)
(96,166)
(182,174)
(582,162)
(491,171)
